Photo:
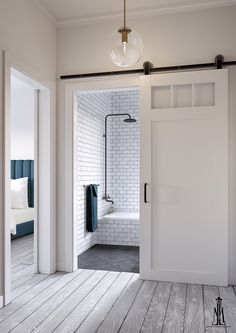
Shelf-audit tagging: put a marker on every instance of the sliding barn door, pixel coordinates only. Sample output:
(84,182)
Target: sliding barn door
(184,177)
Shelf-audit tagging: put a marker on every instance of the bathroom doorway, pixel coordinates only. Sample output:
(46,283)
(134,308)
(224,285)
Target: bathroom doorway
(106,156)
(174,109)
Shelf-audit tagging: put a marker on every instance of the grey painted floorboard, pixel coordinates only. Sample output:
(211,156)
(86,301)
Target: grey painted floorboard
(229,305)
(26,259)
(23,288)
(210,294)
(16,274)
(15,270)
(22,253)
(100,311)
(27,296)
(23,312)
(22,276)
(136,315)
(77,316)
(174,320)
(117,314)
(157,309)
(18,250)
(37,316)
(194,318)
(23,242)
(58,315)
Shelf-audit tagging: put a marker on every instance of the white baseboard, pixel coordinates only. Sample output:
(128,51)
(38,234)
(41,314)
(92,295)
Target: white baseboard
(1,302)
(8,298)
(60,267)
(232,282)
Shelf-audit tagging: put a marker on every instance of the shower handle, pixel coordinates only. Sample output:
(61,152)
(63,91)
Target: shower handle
(145,193)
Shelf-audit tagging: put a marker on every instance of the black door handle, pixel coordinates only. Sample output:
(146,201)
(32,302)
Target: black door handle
(145,193)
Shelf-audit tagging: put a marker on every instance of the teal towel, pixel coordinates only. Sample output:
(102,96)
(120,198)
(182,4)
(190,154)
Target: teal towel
(91,207)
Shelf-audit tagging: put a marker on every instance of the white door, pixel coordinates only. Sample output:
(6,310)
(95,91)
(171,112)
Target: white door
(184,177)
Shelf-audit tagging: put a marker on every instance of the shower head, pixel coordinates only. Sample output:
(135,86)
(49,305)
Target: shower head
(130,120)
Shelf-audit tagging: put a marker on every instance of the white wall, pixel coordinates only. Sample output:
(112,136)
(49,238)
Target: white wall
(181,38)
(22,120)
(28,35)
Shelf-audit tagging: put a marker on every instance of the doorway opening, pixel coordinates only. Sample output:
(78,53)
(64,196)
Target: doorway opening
(23,177)
(106,161)
(29,177)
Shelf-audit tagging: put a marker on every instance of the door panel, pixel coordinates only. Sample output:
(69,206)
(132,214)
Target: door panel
(184,223)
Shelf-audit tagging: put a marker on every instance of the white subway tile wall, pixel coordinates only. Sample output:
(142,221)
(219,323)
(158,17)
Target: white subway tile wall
(89,156)
(123,166)
(118,232)
(124,152)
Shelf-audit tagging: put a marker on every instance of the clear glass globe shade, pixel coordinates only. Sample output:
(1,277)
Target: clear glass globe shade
(126,54)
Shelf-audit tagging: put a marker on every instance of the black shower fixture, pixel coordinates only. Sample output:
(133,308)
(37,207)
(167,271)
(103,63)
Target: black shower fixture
(128,119)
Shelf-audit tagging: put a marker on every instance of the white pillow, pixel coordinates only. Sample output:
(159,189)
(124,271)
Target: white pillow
(19,193)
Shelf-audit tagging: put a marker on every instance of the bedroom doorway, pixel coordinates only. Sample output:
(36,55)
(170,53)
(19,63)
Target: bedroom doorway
(30,160)
(23,178)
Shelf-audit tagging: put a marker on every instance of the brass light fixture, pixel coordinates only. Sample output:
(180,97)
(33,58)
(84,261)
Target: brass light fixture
(126,45)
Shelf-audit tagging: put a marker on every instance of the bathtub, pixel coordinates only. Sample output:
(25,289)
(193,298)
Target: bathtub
(119,228)
(121,216)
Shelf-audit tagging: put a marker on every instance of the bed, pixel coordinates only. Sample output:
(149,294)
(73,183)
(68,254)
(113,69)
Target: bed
(22,220)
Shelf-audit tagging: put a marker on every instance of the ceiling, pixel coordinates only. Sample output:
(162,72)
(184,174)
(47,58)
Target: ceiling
(81,11)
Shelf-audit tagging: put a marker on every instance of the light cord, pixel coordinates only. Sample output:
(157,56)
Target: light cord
(124,14)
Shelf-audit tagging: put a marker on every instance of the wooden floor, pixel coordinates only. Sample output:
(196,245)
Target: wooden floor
(100,301)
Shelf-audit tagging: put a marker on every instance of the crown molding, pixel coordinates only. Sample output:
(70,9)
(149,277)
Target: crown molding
(45,11)
(137,13)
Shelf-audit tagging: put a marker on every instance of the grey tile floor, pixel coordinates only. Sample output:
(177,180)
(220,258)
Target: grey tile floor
(110,258)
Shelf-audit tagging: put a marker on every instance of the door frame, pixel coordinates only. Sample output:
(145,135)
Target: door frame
(68,89)
(71,88)
(45,113)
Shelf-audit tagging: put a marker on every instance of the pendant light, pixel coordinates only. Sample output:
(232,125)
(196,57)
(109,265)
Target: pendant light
(126,45)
